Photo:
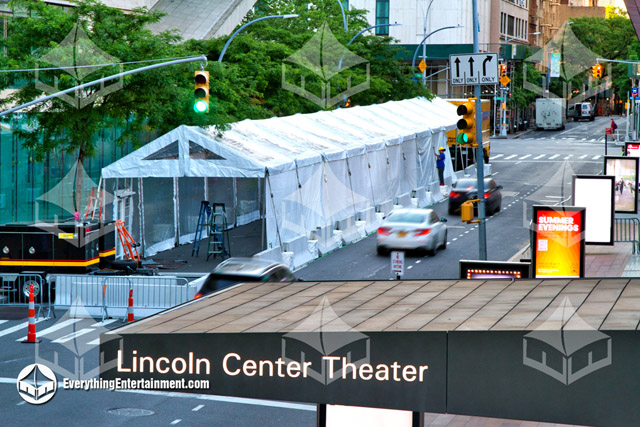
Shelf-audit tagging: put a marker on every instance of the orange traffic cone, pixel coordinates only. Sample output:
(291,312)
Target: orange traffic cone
(31,331)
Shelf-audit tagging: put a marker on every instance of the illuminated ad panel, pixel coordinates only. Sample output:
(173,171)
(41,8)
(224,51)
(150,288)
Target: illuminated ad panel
(558,241)
(476,269)
(625,172)
(632,149)
(596,194)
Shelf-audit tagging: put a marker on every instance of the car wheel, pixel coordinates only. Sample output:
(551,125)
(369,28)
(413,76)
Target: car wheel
(381,250)
(443,246)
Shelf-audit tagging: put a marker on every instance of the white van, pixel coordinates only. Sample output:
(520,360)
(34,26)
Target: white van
(584,111)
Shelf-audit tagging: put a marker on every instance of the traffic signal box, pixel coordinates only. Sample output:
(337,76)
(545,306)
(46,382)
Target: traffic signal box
(597,71)
(201,92)
(463,154)
(502,68)
(467,123)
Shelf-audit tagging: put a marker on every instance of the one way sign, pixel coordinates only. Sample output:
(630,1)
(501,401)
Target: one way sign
(476,69)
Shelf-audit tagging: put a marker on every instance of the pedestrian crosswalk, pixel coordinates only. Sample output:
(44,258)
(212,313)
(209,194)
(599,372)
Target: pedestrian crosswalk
(543,157)
(59,330)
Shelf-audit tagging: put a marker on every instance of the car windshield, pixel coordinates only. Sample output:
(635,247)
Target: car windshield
(411,217)
(215,281)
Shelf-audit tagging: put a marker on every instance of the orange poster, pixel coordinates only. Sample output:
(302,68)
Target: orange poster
(559,241)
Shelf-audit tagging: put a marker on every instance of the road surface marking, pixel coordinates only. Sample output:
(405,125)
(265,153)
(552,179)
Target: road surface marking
(21,403)
(511,157)
(94,342)
(174,422)
(454,239)
(3,321)
(496,156)
(596,157)
(568,157)
(524,157)
(105,323)
(554,156)
(539,157)
(197,408)
(410,267)
(54,328)
(418,261)
(73,335)
(582,157)
(17,328)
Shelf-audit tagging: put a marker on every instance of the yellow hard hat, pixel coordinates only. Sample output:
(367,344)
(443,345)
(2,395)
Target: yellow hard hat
(441,149)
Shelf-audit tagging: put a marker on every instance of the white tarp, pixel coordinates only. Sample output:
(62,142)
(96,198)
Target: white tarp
(312,169)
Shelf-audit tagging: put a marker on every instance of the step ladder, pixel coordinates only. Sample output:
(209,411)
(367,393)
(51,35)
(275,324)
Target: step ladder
(129,246)
(203,220)
(218,233)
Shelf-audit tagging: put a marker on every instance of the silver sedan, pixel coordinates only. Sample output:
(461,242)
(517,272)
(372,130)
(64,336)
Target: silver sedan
(412,229)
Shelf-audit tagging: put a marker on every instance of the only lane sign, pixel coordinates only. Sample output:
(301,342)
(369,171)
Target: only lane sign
(474,69)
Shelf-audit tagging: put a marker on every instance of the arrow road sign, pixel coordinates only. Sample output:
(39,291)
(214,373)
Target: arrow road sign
(466,69)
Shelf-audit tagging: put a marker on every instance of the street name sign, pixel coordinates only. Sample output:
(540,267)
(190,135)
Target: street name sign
(474,69)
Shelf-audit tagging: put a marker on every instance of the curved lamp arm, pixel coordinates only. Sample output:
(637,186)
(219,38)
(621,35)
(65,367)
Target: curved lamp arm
(226,45)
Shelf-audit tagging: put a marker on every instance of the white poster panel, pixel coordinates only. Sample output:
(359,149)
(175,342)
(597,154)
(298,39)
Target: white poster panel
(596,194)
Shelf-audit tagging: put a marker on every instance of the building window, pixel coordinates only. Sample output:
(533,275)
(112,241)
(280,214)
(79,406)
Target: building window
(382,17)
(510,25)
(502,22)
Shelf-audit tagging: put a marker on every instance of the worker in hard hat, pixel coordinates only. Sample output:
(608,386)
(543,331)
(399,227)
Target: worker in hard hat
(440,164)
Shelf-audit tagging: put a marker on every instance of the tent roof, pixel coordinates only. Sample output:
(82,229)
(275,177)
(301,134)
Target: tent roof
(251,147)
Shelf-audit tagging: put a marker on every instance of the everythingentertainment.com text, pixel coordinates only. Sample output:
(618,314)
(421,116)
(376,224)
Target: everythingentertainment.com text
(137,384)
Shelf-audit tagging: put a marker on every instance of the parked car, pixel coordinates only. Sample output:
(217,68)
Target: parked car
(419,229)
(467,189)
(238,270)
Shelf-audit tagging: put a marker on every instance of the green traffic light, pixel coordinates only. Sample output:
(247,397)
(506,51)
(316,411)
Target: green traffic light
(200,106)
(462,138)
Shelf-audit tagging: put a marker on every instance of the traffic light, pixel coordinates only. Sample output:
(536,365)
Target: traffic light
(597,71)
(503,70)
(466,124)
(201,92)
(347,103)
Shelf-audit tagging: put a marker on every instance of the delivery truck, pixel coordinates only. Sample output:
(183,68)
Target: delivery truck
(550,113)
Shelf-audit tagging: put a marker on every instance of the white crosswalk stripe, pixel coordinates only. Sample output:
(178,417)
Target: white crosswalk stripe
(568,157)
(497,156)
(539,157)
(596,157)
(511,156)
(582,157)
(55,327)
(16,328)
(524,157)
(554,156)
(73,335)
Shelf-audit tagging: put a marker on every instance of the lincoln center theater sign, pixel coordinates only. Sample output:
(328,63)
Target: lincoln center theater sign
(562,350)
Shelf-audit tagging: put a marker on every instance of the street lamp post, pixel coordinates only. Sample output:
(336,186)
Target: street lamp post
(503,91)
(413,62)
(226,45)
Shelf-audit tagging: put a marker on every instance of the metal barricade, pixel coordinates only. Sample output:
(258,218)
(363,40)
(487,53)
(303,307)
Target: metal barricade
(112,292)
(628,230)
(14,291)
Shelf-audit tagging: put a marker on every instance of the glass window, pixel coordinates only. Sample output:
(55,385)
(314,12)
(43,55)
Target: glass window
(510,25)
(382,16)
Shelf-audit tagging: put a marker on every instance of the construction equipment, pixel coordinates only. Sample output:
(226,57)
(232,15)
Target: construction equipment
(203,219)
(129,246)
(218,233)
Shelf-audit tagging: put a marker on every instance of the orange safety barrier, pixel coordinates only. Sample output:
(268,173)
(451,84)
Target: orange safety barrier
(128,244)
(95,201)
(130,307)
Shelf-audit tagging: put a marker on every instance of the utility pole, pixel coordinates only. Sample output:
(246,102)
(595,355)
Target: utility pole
(482,226)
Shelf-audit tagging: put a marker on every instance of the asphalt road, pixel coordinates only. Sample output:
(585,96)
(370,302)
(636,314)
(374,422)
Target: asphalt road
(536,168)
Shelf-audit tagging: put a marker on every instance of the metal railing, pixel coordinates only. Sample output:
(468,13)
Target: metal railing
(112,292)
(14,291)
(628,230)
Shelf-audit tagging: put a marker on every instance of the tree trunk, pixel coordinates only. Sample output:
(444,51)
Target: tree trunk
(77,203)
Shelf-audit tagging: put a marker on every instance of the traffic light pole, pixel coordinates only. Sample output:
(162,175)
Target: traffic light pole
(482,229)
(201,58)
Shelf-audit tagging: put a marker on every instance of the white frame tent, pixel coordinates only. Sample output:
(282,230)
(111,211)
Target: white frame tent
(319,180)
